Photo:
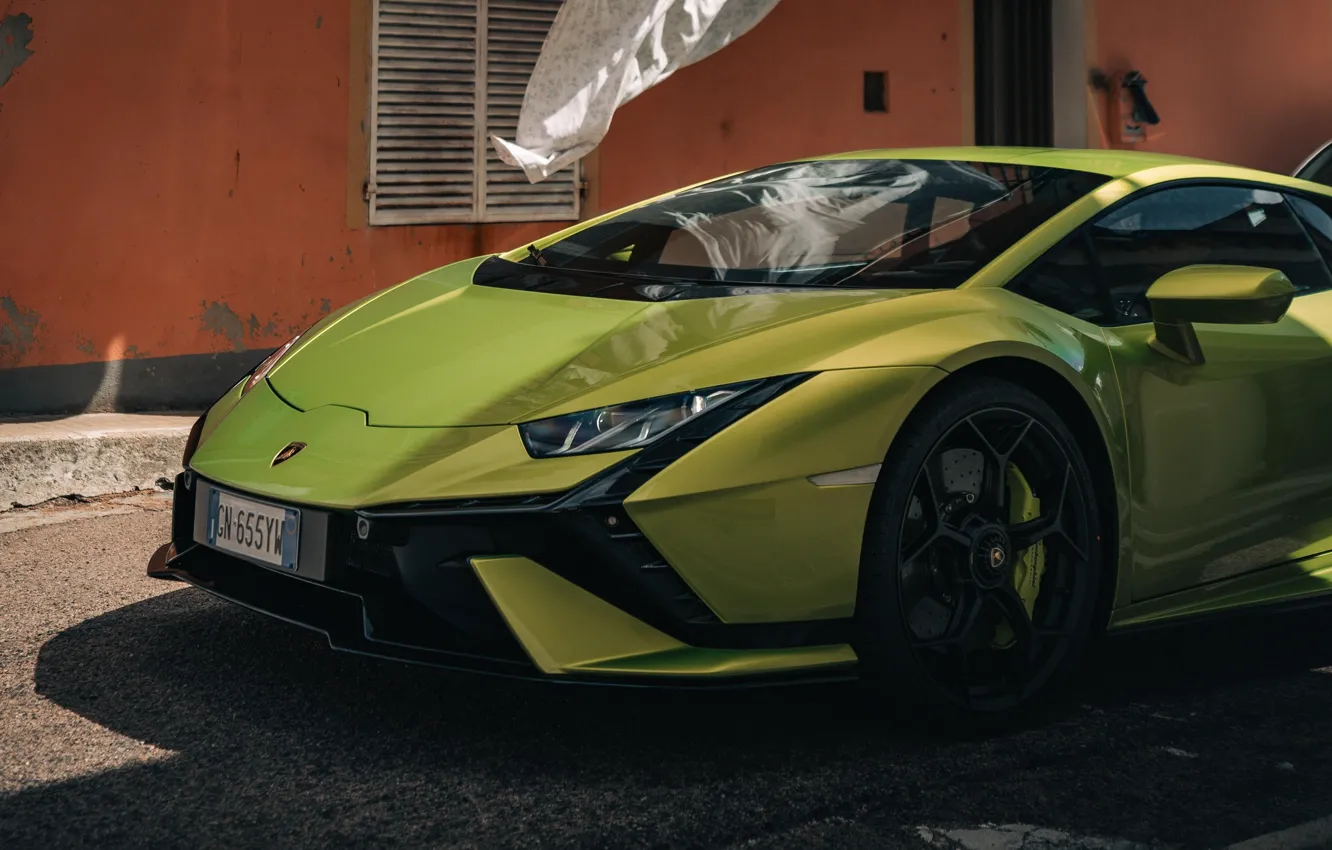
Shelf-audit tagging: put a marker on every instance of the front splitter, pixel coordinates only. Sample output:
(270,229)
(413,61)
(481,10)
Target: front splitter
(348,622)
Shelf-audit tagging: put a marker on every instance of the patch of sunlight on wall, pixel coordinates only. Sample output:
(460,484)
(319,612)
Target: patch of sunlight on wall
(104,399)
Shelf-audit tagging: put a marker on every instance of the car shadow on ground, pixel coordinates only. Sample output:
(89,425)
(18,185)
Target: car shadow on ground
(274,741)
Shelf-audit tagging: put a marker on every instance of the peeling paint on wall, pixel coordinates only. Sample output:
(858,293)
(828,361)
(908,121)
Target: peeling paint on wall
(257,330)
(18,331)
(15,34)
(223,321)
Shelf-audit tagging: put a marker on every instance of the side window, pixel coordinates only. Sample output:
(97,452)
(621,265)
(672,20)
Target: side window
(1319,167)
(1065,279)
(1317,220)
(1321,173)
(1190,225)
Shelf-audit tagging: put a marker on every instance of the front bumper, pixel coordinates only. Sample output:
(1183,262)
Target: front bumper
(516,587)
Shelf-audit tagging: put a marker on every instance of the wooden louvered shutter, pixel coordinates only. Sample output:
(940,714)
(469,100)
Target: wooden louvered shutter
(424,133)
(446,74)
(515,31)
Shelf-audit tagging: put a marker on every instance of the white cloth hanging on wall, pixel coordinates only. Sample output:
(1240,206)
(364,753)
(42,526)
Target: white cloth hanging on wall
(601,54)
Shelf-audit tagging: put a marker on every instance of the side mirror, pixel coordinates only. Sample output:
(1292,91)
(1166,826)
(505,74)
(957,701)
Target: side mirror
(1224,295)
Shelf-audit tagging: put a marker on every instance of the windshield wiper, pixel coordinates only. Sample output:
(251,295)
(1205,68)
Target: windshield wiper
(630,278)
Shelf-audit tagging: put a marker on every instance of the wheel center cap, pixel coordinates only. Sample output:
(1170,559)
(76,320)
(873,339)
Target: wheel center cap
(990,556)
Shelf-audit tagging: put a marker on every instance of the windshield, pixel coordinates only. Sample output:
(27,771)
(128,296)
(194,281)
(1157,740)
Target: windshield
(870,222)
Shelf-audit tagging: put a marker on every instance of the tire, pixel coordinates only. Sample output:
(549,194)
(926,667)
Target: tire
(985,508)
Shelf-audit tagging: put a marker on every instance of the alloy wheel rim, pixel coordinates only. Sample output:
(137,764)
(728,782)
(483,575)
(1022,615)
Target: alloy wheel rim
(989,597)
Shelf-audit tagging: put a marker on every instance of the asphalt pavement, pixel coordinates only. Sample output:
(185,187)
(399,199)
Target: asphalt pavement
(142,713)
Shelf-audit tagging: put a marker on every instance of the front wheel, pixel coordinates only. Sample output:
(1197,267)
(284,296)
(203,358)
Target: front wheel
(982,560)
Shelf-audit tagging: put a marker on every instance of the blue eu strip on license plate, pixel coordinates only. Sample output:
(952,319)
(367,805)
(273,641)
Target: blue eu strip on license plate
(257,530)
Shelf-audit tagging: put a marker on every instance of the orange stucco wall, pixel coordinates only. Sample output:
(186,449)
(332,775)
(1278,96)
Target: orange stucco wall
(1242,81)
(792,87)
(173,179)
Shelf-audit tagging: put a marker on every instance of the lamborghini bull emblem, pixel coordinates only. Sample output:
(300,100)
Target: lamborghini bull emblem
(287,453)
(997,557)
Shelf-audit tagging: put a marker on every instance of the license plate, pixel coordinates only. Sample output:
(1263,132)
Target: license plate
(257,530)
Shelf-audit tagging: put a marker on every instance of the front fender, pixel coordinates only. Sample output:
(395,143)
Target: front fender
(963,329)
(739,518)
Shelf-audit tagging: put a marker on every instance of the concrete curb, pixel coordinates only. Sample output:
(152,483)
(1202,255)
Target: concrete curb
(88,455)
(1314,834)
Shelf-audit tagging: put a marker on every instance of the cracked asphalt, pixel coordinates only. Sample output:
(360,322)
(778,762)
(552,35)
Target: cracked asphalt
(142,713)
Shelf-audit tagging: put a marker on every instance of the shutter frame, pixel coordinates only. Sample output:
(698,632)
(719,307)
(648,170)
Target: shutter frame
(444,75)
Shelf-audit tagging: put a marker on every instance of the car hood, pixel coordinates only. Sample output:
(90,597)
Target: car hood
(442,351)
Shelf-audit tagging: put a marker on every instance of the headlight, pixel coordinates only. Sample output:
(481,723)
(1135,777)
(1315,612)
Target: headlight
(622,426)
(261,371)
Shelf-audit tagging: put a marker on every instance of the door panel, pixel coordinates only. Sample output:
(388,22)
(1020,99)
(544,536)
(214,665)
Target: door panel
(1231,471)
(1231,465)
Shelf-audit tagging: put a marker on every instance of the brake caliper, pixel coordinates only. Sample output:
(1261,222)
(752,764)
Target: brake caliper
(1030,566)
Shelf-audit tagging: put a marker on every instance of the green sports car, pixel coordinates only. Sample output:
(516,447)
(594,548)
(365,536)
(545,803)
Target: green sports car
(931,418)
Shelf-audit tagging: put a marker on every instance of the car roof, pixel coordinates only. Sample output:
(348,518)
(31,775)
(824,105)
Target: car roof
(1111,163)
